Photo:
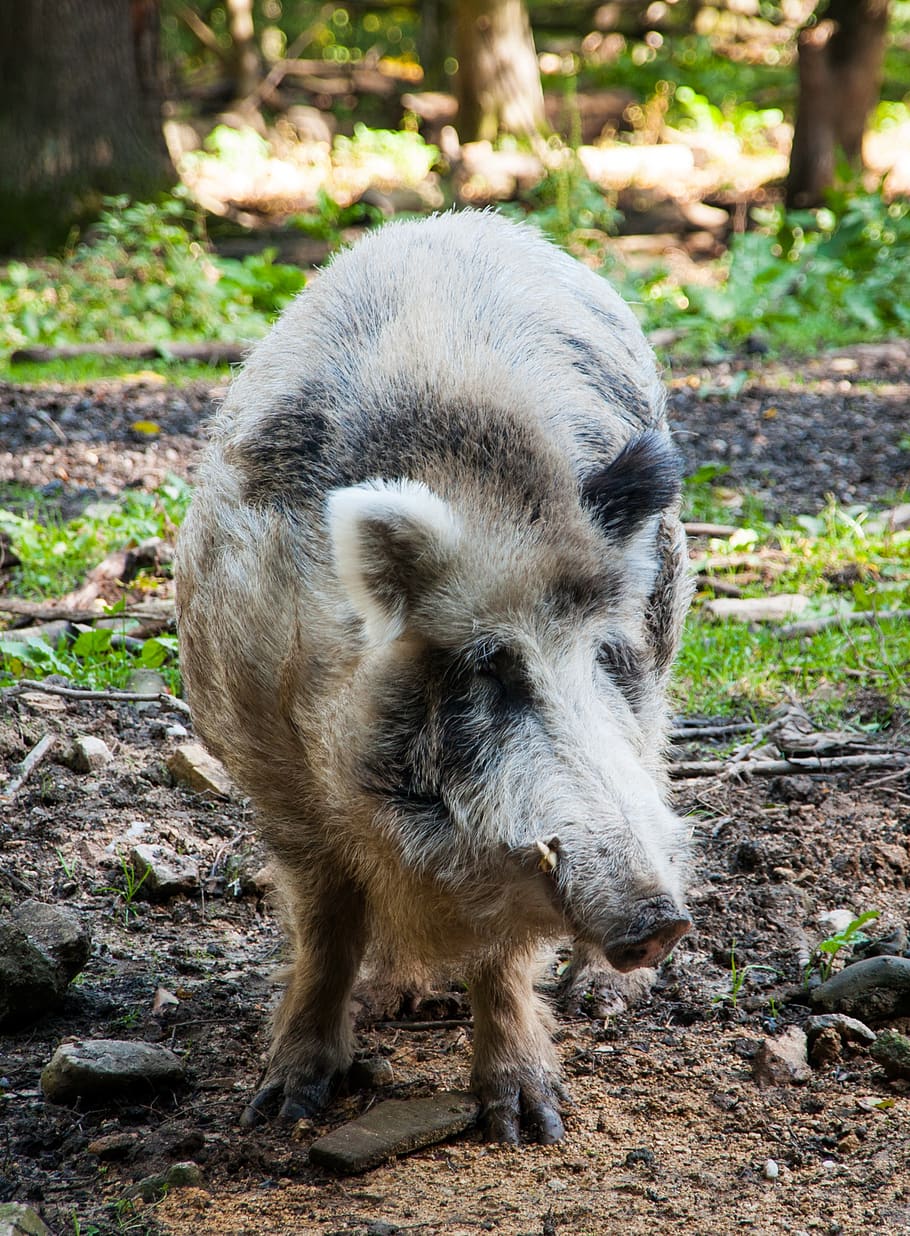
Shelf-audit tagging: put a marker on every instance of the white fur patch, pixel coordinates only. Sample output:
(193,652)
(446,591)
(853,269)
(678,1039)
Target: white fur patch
(414,515)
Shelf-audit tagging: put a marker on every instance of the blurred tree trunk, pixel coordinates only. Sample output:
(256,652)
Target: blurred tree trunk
(245,54)
(498,80)
(80,113)
(434,42)
(840,72)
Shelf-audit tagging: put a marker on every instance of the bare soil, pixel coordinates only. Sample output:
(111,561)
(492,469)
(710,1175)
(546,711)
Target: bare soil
(669,1131)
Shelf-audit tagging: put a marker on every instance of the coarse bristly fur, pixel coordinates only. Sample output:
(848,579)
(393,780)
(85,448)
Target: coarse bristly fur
(430,588)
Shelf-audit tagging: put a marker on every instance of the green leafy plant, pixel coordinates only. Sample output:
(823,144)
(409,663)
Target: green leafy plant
(826,951)
(132,882)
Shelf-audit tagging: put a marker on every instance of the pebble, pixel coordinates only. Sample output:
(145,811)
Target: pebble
(192,766)
(849,1029)
(17,1219)
(879,987)
(112,1145)
(397,1126)
(892,1051)
(186,1175)
(42,948)
(90,754)
(782,1061)
(169,873)
(94,1068)
(772,1171)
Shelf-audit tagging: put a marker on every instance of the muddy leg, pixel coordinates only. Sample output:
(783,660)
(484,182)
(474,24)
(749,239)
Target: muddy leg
(312,1033)
(515,1074)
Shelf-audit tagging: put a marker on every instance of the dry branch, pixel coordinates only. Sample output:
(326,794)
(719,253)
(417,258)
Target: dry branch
(812,626)
(788,767)
(694,528)
(110,697)
(27,767)
(210,353)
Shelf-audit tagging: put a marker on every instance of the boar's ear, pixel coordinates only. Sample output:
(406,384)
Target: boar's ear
(391,540)
(643,480)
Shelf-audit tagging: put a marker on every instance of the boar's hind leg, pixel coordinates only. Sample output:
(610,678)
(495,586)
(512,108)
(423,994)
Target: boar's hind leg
(312,1034)
(515,1074)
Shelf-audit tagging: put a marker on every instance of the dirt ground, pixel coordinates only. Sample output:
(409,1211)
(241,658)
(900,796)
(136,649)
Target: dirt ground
(669,1131)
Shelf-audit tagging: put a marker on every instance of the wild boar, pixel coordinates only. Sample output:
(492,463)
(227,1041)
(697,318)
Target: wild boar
(429,592)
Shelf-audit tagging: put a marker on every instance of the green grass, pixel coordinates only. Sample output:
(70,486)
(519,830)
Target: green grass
(843,559)
(82,369)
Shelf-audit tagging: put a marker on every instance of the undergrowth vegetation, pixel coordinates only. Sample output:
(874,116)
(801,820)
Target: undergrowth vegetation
(844,560)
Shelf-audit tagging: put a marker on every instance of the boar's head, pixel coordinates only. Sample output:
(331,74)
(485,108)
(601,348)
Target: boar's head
(511,693)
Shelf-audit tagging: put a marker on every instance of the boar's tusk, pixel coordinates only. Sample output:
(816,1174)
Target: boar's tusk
(549,855)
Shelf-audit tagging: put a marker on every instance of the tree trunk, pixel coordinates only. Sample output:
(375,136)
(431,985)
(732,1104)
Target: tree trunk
(245,53)
(498,78)
(840,70)
(80,113)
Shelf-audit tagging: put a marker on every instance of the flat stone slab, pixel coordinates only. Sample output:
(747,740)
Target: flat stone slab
(878,988)
(192,766)
(101,1068)
(398,1126)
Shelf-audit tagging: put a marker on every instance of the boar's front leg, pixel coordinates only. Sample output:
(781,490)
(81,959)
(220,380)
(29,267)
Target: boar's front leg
(312,1033)
(515,1074)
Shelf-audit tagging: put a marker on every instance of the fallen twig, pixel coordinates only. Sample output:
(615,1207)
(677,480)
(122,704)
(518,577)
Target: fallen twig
(27,767)
(210,352)
(685,769)
(693,528)
(812,626)
(705,580)
(110,697)
(691,733)
(444,1023)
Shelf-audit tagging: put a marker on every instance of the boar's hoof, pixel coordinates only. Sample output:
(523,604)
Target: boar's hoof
(301,1100)
(533,1107)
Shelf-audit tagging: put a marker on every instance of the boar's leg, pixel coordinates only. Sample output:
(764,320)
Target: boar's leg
(515,1075)
(590,985)
(312,1033)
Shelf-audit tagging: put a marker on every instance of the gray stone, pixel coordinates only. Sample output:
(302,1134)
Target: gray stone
(192,766)
(17,1219)
(146,682)
(95,1068)
(178,1176)
(782,1061)
(849,1029)
(371,1074)
(42,948)
(878,988)
(168,873)
(398,1126)
(90,754)
(892,1051)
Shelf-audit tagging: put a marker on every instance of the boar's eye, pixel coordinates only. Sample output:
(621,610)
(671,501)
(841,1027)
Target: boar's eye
(623,665)
(504,671)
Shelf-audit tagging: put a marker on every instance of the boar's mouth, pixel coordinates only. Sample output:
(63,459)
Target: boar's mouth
(651,936)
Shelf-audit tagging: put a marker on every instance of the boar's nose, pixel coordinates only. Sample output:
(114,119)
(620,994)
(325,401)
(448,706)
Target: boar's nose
(655,928)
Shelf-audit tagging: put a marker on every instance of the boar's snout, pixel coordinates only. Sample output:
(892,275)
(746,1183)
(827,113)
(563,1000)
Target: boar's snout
(657,925)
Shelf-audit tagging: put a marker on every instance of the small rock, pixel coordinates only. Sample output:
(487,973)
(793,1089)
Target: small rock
(758,609)
(42,948)
(178,1176)
(899,517)
(94,1068)
(176,730)
(169,873)
(397,1126)
(192,766)
(113,1145)
(146,682)
(782,1061)
(90,754)
(371,1074)
(878,987)
(772,1171)
(557,1185)
(826,1047)
(892,1051)
(17,1219)
(641,1157)
(835,921)
(849,1029)
(380,1228)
